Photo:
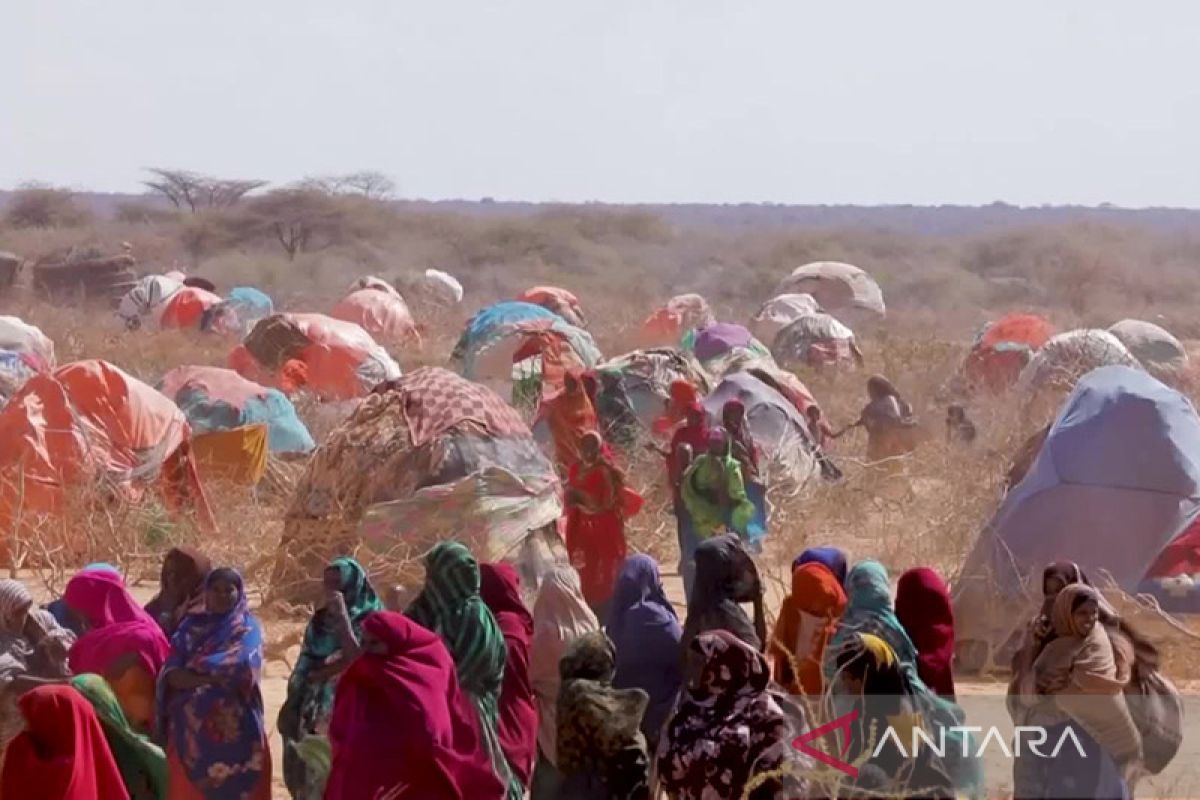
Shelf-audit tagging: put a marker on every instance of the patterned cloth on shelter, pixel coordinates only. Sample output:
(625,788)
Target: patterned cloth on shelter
(560,616)
(142,763)
(216,735)
(728,732)
(436,400)
(309,703)
(406,700)
(62,751)
(601,748)
(450,605)
(645,631)
(516,726)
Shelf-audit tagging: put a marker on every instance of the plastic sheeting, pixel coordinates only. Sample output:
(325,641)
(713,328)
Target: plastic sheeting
(1003,348)
(780,311)
(186,308)
(774,422)
(146,298)
(335,359)
(495,334)
(90,421)
(1116,481)
(1067,357)
(813,340)
(382,314)
(1154,346)
(840,288)
(647,375)
(216,399)
(442,288)
(18,336)
(560,301)
(667,325)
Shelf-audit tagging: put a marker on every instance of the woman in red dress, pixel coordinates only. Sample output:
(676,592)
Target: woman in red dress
(598,503)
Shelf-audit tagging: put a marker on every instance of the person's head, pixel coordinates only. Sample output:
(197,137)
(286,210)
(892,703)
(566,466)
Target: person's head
(879,387)
(720,665)
(15,602)
(451,574)
(868,587)
(813,412)
(696,416)
(684,455)
(591,447)
(590,657)
(682,393)
(331,579)
(955,414)
(867,665)
(831,557)
(1059,575)
(733,414)
(1077,609)
(718,442)
(183,572)
(222,591)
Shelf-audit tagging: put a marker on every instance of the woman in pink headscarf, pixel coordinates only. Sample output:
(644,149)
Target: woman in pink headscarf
(121,642)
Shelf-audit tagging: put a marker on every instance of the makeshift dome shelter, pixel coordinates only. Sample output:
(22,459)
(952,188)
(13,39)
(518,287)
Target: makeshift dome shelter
(645,377)
(146,299)
(841,289)
(187,308)
(815,340)
(426,458)
(560,301)
(779,312)
(383,314)
(334,359)
(525,346)
(215,399)
(667,325)
(1113,488)
(89,425)
(238,313)
(775,423)
(1067,357)
(18,336)
(1003,348)
(440,288)
(1158,351)
(725,347)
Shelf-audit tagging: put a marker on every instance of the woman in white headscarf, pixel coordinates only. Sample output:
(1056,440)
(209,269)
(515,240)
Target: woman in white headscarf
(33,650)
(560,616)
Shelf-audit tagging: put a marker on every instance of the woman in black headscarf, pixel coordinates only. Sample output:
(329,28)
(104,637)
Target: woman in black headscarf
(725,577)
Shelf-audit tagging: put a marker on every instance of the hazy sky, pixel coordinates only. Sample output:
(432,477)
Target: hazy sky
(955,101)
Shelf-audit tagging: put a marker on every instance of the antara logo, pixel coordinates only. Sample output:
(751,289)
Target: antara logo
(1026,739)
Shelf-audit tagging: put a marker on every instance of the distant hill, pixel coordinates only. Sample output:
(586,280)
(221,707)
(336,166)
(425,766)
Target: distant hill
(910,219)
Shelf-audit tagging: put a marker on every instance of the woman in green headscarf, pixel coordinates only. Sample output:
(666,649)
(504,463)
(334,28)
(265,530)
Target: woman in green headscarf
(714,490)
(143,765)
(450,606)
(331,641)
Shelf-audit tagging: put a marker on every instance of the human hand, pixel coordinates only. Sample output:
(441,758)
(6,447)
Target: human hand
(335,604)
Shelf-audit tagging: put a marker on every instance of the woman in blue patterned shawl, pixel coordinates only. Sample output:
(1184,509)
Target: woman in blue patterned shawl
(210,706)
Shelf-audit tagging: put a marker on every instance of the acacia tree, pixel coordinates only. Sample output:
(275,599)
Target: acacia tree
(370,184)
(193,191)
(301,219)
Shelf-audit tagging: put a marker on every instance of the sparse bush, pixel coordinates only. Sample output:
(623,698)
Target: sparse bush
(38,205)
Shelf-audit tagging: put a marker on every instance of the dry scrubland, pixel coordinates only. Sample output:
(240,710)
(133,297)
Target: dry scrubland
(939,289)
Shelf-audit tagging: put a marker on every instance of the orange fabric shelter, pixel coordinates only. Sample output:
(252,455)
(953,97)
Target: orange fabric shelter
(560,301)
(1003,350)
(382,314)
(90,421)
(238,455)
(185,308)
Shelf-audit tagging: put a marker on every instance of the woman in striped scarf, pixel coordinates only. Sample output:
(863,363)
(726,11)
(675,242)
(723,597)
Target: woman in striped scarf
(450,606)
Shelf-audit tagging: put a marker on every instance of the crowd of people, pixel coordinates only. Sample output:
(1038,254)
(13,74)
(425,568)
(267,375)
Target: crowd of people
(589,685)
(478,689)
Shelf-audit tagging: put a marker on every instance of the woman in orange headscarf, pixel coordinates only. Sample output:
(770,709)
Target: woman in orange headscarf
(682,396)
(570,415)
(807,621)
